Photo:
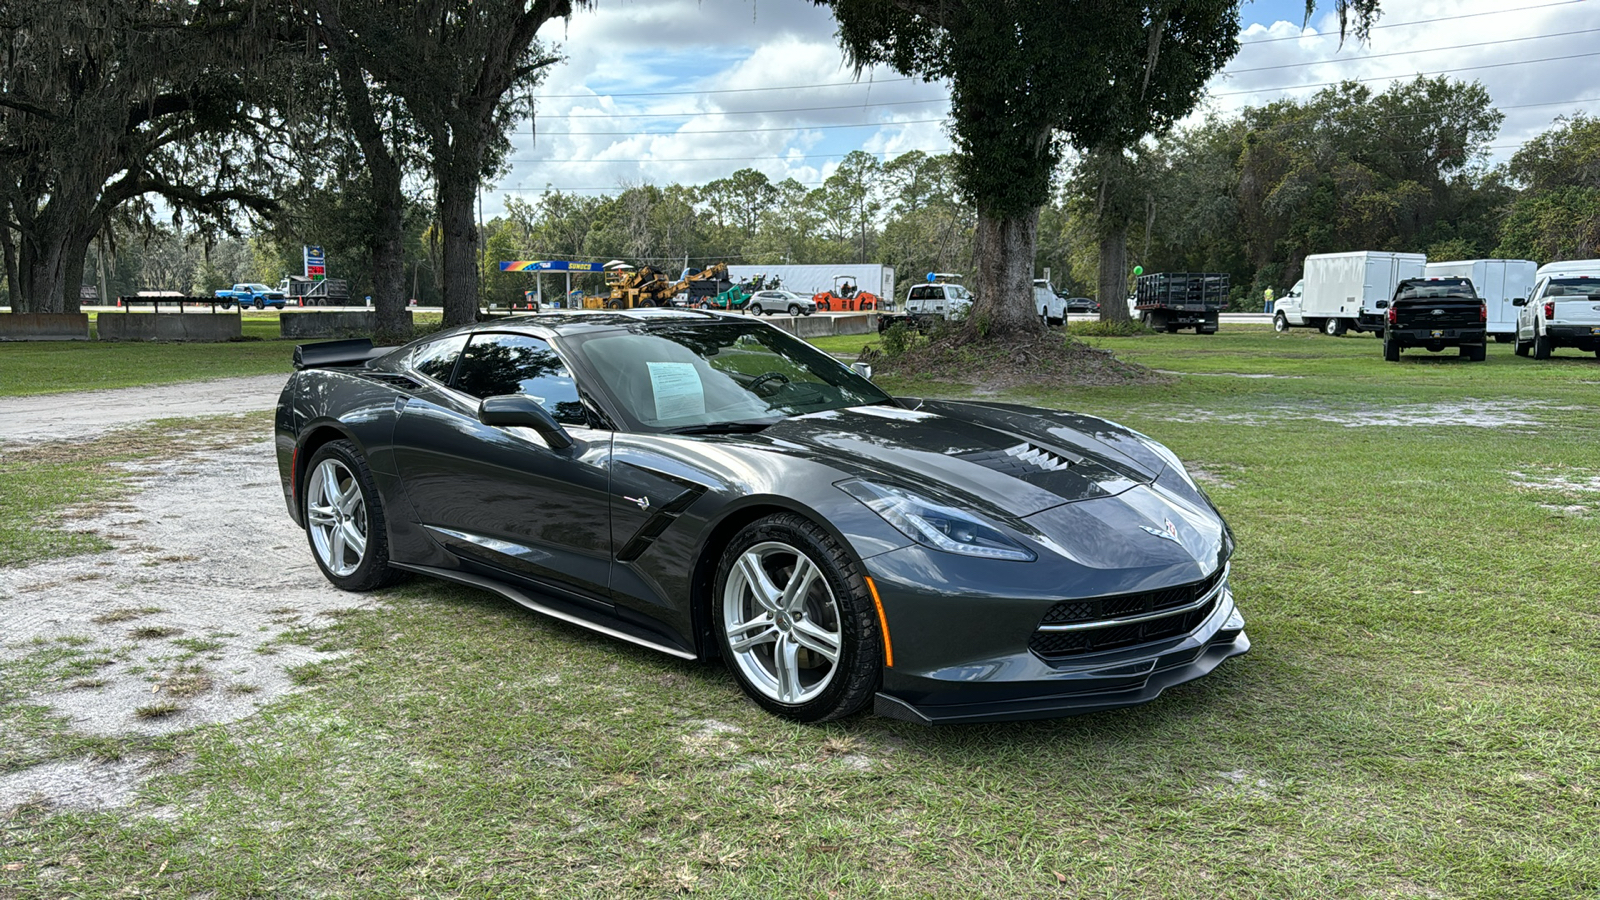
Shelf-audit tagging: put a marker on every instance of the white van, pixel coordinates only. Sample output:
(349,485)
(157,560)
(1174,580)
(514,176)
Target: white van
(943,300)
(1051,309)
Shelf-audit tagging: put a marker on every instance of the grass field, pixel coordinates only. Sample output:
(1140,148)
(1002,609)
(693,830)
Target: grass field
(54,367)
(1418,717)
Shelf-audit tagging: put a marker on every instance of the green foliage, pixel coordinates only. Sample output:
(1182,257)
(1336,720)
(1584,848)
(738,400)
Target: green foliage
(897,339)
(1557,216)
(1109,328)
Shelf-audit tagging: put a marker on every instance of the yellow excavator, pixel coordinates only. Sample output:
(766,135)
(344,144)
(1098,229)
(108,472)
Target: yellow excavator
(632,287)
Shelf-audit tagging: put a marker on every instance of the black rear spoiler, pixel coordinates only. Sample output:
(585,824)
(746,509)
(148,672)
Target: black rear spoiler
(330,354)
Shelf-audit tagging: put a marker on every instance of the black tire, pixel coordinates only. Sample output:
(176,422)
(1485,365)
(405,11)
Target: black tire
(755,309)
(1502,339)
(1280,323)
(1541,346)
(1391,351)
(1475,352)
(260,303)
(1333,327)
(1518,347)
(226,304)
(794,309)
(373,570)
(855,673)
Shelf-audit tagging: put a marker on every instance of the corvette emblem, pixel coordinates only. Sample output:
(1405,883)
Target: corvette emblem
(1171,534)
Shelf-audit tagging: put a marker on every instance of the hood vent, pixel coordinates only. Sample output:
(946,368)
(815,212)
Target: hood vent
(1021,461)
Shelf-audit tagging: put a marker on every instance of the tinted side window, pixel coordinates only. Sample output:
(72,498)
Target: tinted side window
(436,360)
(496,364)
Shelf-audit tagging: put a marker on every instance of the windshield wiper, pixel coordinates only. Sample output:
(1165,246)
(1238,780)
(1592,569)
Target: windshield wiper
(748,427)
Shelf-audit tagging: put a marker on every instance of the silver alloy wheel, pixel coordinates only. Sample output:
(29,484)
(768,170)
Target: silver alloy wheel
(336,513)
(785,638)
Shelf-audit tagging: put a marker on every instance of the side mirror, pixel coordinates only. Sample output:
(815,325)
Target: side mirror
(1520,301)
(862,369)
(1382,304)
(519,409)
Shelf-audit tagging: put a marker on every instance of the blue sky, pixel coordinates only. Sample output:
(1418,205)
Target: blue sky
(646,82)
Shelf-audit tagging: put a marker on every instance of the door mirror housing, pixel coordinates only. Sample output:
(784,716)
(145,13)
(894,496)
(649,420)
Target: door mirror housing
(520,409)
(862,369)
(1382,304)
(1520,301)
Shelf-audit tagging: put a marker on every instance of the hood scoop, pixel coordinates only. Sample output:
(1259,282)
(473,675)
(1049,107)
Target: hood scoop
(1021,461)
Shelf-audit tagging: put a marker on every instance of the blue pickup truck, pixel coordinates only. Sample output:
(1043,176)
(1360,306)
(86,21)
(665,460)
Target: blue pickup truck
(258,295)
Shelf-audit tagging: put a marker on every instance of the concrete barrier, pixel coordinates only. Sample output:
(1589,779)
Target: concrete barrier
(195,327)
(813,326)
(323,324)
(44,327)
(855,323)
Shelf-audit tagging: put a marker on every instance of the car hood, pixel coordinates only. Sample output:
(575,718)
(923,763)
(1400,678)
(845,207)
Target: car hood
(1013,461)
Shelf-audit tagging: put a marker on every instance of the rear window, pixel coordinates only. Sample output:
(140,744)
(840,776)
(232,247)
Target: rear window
(1573,287)
(1436,289)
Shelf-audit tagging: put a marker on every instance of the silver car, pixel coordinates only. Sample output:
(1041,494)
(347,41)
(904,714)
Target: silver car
(772,302)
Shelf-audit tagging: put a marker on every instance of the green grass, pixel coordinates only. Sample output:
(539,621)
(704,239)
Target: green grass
(1416,719)
(49,367)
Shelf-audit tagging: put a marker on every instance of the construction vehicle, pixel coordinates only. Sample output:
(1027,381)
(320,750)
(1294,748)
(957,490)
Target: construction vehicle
(846,296)
(631,288)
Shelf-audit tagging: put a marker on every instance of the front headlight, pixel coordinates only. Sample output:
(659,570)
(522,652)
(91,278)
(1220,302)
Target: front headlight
(937,525)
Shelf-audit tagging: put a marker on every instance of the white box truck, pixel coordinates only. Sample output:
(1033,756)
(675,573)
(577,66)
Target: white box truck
(1498,282)
(1340,291)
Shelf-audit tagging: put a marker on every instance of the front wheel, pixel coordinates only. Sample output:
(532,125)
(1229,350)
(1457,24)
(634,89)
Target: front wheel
(795,622)
(260,304)
(794,309)
(1280,323)
(1518,347)
(344,520)
(755,310)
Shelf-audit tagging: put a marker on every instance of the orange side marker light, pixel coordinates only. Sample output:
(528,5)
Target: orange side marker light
(883,621)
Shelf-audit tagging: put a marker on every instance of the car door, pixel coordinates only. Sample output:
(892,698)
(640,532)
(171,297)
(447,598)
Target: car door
(501,497)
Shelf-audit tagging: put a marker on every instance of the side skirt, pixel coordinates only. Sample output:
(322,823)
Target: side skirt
(522,599)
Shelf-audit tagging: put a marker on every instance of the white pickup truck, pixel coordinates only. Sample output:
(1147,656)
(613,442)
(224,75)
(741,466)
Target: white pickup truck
(1564,310)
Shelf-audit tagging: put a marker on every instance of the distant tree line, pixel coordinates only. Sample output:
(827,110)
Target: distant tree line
(187,144)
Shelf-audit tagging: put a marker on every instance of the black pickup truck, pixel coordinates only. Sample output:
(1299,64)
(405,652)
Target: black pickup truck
(1435,313)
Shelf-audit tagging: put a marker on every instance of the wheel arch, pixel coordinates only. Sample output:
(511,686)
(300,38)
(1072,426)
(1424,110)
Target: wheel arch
(717,537)
(312,439)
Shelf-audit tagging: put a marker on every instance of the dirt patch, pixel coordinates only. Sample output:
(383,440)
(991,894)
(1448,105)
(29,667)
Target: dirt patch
(1470,413)
(207,601)
(961,356)
(85,414)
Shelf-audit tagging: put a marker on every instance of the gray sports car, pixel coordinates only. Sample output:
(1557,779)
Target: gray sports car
(709,486)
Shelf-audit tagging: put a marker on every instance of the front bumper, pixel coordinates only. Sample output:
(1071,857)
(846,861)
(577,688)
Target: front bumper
(961,656)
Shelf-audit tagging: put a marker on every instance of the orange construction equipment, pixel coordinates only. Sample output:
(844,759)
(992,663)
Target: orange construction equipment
(845,296)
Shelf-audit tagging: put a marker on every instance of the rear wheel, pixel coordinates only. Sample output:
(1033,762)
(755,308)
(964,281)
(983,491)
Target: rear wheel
(1333,327)
(795,622)
(1475,352)
(1280,323)
(1541,346)
(344,520)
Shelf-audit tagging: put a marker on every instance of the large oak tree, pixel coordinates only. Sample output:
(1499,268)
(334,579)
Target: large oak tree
(1029,78)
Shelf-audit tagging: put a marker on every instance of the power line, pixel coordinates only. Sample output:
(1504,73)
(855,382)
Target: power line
(746,112)
(792,87)
(1293,87)
(735,130)
(1492,12)
(1323,62)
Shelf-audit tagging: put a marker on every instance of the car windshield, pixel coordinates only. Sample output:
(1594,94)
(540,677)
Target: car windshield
(723,376)
(956,292)
(1573,287)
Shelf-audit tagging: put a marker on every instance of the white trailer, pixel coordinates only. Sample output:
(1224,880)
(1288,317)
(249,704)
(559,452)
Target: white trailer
(1340,291)
(810,280)
(1498,282)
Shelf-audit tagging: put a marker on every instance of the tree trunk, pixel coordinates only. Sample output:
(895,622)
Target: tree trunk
(44,275)
(13,283)
(460,264)
(1112,290)
(76,255)
(1003,249)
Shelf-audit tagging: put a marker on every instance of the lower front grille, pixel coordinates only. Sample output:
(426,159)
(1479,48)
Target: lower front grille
(1076,627)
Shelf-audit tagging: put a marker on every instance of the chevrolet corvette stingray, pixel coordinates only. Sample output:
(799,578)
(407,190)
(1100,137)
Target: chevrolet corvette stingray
(709,486)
